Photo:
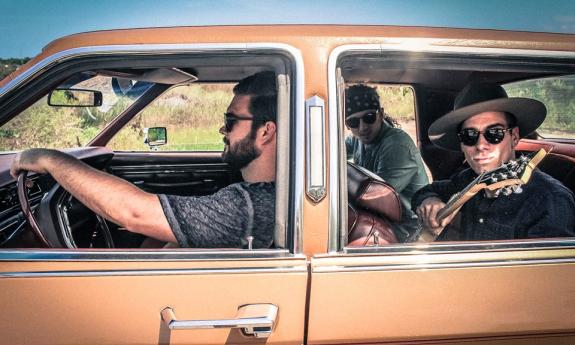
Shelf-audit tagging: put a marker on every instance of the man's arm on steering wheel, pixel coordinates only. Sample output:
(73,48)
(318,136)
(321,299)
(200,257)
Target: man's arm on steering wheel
(107,195)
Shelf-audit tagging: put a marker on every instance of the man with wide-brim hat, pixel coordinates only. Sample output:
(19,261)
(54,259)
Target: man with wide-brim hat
(486,125)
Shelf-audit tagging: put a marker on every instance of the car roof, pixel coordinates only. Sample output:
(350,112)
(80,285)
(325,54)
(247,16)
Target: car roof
(315,41)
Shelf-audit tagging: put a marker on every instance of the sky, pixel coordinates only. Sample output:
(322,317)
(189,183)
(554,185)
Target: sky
(28,25)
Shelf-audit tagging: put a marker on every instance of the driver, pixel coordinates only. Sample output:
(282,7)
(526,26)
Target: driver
(237,216)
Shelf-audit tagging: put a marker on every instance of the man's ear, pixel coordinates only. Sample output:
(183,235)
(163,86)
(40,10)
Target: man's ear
(268,132)
(515,136)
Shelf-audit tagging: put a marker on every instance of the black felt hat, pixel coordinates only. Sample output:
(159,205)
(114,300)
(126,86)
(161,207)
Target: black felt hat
(477,98)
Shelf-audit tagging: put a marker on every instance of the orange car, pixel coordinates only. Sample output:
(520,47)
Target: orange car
(112,98)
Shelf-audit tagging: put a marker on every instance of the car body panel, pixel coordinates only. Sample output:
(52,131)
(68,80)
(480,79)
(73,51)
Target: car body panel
(121,301)
(467,297)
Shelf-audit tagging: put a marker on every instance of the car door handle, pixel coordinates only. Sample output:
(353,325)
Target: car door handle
(255,320)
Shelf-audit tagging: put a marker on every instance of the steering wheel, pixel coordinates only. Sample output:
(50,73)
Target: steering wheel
(22,185)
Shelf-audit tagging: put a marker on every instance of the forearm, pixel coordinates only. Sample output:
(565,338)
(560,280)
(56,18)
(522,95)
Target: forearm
(102,193)
(109,196)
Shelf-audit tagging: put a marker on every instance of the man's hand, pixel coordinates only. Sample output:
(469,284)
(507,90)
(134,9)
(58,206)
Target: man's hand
(427,212)
(31,160)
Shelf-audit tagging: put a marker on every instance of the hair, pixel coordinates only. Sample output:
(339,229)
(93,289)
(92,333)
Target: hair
(262,89)
(511,120)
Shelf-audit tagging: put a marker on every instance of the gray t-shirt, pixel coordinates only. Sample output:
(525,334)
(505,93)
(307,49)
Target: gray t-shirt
(224,219)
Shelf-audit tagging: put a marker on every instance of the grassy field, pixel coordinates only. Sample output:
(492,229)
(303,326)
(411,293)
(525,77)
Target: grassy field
(193,115)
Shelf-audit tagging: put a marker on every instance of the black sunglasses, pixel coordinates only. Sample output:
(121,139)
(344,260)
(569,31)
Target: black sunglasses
(470,136)
(230,121)
(368,119)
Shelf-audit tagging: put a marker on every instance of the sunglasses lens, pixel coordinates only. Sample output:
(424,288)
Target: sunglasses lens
(369,118)
(352,122)
(468,137)
(229,123)
(494,135)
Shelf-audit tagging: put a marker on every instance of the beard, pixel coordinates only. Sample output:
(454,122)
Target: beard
(242,153)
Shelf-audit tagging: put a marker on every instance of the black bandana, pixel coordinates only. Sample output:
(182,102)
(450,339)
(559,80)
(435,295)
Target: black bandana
(359,98)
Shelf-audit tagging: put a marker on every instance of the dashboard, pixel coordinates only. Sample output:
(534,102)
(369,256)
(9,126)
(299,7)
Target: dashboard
(63,220)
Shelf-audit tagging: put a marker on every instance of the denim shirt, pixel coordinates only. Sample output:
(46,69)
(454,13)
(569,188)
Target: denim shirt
(544,208)
(394,157)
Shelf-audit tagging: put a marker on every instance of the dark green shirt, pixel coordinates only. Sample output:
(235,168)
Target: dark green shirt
(394,157)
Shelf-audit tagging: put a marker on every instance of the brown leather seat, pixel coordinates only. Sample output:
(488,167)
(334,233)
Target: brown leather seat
(373,207)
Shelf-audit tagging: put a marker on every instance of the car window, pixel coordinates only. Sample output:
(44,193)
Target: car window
(558,95)
(59,125)
(192,115)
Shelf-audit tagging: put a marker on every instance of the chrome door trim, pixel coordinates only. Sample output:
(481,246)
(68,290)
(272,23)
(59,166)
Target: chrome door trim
(337,168)
(295,200)
(441,260)
(143,255)
(405,267)
(494,246)
(152,272)
(315,149)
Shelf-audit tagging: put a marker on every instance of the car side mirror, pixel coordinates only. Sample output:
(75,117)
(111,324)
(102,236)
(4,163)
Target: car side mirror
(75,98)
(155,136)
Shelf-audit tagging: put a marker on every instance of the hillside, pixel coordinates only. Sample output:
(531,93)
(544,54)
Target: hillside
(9,65)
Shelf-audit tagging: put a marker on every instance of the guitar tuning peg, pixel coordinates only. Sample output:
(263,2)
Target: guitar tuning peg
(518,189)
(513,173)
(497,193)
(506,191)
(493,179)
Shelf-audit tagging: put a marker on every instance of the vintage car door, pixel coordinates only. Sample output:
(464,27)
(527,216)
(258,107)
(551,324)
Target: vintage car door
(500,292)
(103,297)
(153,296)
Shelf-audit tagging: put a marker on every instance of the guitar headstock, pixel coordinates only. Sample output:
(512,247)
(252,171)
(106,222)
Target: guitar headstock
(508,177)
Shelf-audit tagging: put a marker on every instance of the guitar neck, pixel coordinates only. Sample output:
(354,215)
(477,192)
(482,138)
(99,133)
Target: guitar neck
(452,206)
(457,201)
(527,165)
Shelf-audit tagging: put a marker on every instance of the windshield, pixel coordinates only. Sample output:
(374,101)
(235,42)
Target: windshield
(55,126)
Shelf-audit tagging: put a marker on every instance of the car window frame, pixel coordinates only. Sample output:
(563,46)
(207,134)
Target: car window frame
(338,171)
(289,199)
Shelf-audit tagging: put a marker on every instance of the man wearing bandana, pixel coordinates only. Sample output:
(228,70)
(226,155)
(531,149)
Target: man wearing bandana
(379,146)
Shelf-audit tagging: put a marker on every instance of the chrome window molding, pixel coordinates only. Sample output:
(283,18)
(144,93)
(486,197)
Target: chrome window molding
(440,264)
(461,255)
(143,255)
(464,247)
(293,196)
(155,272)
(337,191)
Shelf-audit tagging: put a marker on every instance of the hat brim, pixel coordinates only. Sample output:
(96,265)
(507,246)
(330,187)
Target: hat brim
(529,114)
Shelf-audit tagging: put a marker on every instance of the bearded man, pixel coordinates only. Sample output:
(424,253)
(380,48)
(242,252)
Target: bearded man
(240,215)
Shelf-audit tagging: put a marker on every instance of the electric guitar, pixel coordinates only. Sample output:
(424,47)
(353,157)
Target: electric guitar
(504,180)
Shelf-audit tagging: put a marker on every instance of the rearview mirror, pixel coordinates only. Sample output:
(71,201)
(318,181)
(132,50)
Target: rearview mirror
(155,136)
(75,98)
